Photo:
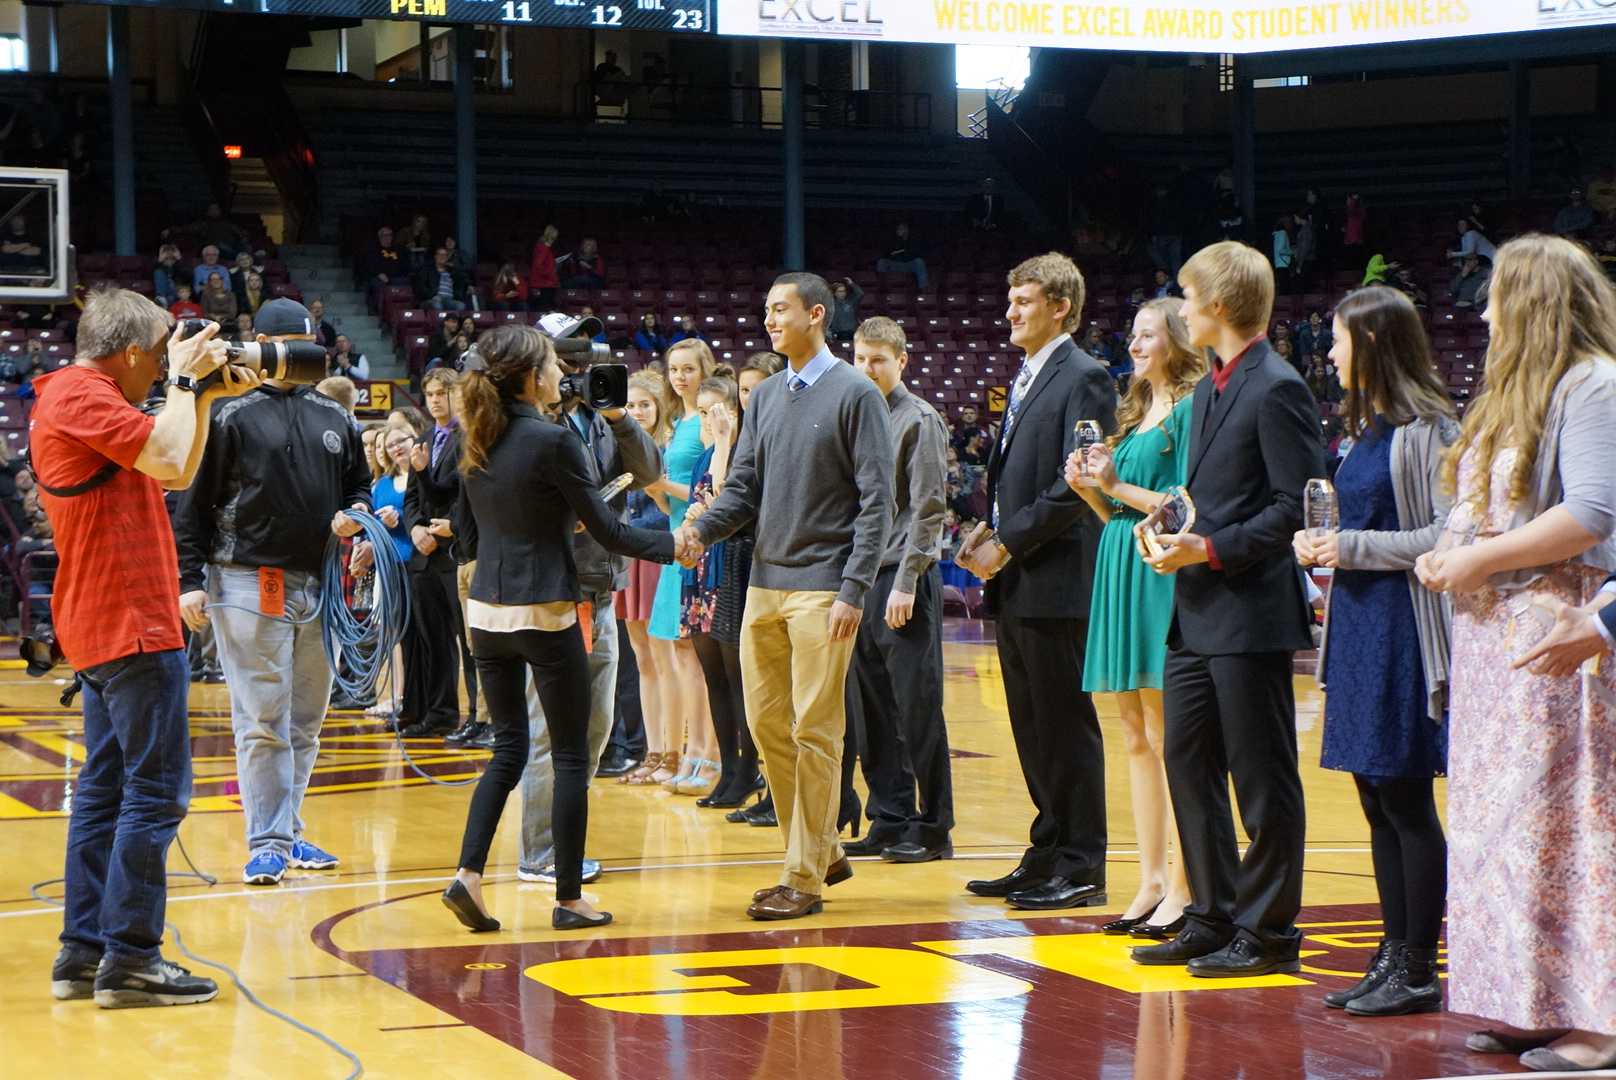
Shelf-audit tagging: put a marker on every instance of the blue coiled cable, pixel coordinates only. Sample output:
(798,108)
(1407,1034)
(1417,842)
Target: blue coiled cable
(359,645)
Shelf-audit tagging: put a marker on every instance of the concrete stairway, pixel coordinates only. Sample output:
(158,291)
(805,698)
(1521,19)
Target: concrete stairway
(319,272)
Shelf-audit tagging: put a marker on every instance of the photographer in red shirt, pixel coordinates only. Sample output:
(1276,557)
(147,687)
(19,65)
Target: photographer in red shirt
(101,465)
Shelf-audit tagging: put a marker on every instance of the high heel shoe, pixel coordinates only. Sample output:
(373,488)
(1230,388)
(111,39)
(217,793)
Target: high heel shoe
(733,795)
(564,919)
(1158,933)
(457,898)
(662,769)
(850,815)
(1124,925)
(704,781)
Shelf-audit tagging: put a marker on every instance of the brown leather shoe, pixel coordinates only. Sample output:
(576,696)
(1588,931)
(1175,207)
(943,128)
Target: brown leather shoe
(785,903)
(838,871)
(763,894)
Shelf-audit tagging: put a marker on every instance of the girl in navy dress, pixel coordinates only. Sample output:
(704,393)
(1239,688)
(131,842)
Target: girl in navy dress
(1384,661)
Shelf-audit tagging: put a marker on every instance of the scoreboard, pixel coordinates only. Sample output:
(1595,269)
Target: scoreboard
(686,16)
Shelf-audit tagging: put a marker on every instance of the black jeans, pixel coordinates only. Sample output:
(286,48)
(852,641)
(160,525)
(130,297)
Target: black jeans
(437,651)
(132,794)
(628,726)
(721,667)
(1410,856)
(561,672)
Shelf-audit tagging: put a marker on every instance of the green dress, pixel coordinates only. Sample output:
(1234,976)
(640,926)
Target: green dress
(1132,603)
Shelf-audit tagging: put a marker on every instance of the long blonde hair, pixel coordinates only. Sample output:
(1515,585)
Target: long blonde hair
(656,387)
(1550,307)
(1185,366)
(704,359)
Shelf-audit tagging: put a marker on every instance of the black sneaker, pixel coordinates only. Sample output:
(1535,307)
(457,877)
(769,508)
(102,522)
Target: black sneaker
(146,983)
(73,974)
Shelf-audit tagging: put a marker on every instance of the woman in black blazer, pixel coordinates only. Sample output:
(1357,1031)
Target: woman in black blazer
(527,486)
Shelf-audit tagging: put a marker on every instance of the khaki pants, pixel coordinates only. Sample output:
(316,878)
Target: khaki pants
(794,678)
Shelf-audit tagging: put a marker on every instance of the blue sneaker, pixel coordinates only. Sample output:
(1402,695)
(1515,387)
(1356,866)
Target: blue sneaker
(265,868)
(547,875)
(305,856)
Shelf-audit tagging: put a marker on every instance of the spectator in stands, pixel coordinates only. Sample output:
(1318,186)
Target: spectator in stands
(205,269)
(845,318)
(610,81)
(346,362)
(968,425)
(252,295)
(165,275)
(984,209)
(1576,218)
(441,287)
(1470,283)
(903,259)
(448,330)
(650,337)
(1162,285)
(1283,257)
(324,332)
(587,312)
(1354,224)
(183,306)
(1313,336)
(219,232)
(543,278)
(453,356)
(383,265)
(1322,380)
(1286,348)
(1098,345)
(1231,221)
(1472,242)
(509,290)
(244,327)
(341,389)
(457,258)
(1304,246)
(239,272)
(975,450)
(33,359)
(585,268)
(687,331)
(416,240)
(1402,279)
(218,302)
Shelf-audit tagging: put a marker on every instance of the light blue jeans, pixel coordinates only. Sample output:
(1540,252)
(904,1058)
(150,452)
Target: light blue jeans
(280,684)
(538,780)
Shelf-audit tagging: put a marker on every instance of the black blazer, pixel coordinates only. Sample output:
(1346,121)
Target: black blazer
(537,485)
(432,493)
(1051,533)
(1252,453)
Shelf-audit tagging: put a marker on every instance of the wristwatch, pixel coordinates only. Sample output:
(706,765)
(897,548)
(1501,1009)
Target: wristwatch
(182,382)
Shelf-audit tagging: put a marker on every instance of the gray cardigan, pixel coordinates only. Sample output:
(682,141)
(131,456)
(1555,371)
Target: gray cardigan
(1422,511)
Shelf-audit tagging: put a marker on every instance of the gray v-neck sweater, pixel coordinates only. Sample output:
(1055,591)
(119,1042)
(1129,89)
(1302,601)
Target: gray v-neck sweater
(814,468)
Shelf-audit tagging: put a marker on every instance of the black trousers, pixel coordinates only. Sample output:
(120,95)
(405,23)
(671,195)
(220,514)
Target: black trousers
(1236,716)
(902,739)
(1410,856)
(1058,741)
(628,723)
(438,651)
(721,670)
(561,673)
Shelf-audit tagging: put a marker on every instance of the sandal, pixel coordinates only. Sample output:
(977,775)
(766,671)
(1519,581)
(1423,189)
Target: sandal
(700,782)
(686,771)
(639,774)
(655,764)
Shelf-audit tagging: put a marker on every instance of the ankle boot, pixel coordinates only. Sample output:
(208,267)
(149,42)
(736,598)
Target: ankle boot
(1412,987)
(1379,967)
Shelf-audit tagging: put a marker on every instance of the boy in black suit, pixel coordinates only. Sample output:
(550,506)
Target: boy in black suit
(1239,613)
(1040,562)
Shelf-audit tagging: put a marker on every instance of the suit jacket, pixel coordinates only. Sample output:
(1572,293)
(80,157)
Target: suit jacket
(1252,453)
(432,493)
(536,486)
(1051,533)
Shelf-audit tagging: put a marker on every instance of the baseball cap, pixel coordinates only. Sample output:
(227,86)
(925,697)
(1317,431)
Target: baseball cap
(282,316)
(558,325)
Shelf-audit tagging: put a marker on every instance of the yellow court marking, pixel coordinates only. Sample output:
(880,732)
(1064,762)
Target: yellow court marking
(667,984)
(1101,959)
(11,808)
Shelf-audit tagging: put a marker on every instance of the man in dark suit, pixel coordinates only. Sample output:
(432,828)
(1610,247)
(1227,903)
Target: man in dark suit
(1040,566)
(440,652)
(1239,613)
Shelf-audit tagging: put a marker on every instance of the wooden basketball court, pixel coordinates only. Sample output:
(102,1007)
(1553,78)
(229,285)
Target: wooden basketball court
(904,975)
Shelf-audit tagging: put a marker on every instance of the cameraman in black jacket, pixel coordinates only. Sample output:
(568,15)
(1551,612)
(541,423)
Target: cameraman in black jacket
(282,465)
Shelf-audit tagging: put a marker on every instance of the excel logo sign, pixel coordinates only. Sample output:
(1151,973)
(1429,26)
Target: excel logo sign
(822,18)
(1551,13)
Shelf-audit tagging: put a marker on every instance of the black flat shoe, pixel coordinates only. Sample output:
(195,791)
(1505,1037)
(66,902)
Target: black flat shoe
(457,898)
(1118,927)
(911,852)
(1152,932)
(564,919)
(760,817)
(738,816)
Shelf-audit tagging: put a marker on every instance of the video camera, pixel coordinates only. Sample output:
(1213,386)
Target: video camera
(591,379)
(288,361)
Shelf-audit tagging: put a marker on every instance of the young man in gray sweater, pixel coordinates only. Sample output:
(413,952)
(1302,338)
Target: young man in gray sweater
(814,469)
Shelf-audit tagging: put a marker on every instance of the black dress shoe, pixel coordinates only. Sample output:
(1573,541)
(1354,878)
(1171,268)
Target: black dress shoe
(426,729)
(1244,957)
(1015,881)
(1057,893)
(1192,942)
(911,852)
(459,735)
(1118,927)
(564,919)
(484,739)
(762,817)
(1152,932)
(738,816)
(617,765)
(1380,966)
(457,898)
(872,844)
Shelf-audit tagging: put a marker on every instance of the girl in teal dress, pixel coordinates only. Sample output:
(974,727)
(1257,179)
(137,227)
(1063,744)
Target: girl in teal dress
(685,693)
(1127,646)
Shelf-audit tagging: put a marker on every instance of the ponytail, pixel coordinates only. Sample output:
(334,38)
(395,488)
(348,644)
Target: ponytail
(482,419)
(496,368)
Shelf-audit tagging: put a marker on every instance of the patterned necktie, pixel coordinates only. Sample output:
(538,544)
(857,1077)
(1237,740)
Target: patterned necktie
(439,441)
(795,383)
(1018,391)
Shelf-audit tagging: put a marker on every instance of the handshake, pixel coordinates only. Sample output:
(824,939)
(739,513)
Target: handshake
(687,546)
